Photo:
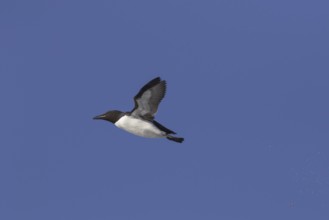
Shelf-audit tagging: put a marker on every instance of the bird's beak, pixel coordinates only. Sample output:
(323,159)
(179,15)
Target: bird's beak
(99,117)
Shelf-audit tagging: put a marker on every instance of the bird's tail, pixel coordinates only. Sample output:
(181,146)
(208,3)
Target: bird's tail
(176,139)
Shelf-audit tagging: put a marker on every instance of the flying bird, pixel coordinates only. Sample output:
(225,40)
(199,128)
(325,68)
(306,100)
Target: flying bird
(140,121)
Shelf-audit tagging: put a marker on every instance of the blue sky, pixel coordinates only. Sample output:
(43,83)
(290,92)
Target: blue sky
(248,85)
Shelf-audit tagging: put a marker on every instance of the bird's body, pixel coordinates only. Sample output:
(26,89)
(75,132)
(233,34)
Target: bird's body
(139,127)
(140,121)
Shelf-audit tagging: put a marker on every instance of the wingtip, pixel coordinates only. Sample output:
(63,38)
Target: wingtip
(156,79)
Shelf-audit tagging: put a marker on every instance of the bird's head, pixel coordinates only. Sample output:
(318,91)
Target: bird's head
(111,116)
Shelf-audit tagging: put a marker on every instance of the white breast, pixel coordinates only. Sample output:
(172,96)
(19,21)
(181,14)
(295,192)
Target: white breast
(139,127)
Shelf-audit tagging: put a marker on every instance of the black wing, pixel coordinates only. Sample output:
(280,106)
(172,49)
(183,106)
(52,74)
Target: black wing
(148,99)
(163,128)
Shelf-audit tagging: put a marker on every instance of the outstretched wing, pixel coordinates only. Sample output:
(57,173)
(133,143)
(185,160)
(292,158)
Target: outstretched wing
(148,99)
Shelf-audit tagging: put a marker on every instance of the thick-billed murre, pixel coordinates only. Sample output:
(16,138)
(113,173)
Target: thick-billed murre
(140,121)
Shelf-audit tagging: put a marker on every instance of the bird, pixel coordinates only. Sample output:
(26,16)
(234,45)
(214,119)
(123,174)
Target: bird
(140,121)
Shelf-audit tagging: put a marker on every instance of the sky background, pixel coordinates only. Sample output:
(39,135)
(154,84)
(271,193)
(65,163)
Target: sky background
(248,85)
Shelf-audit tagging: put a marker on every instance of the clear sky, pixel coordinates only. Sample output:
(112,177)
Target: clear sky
(248,86)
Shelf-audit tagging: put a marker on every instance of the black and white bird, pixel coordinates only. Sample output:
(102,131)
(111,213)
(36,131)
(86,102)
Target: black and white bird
(140,121)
